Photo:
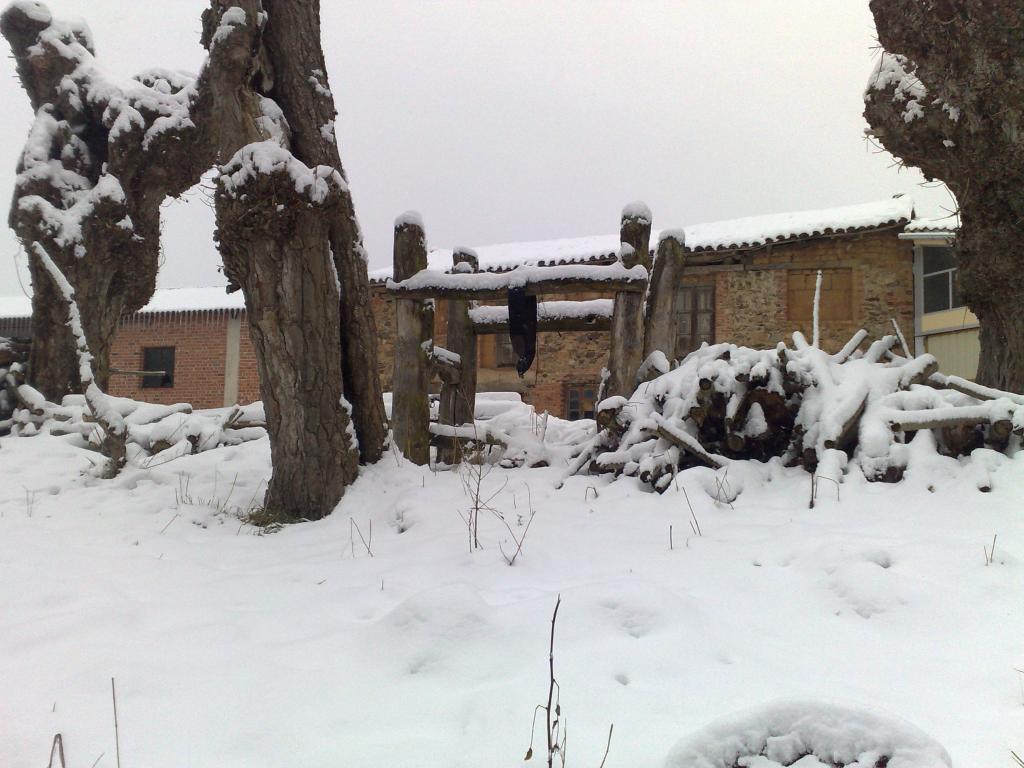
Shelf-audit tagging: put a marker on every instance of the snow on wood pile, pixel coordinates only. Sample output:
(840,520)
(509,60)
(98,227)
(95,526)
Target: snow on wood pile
(13,356)
(725,403)
(811,734)
(547,310)
(153,430)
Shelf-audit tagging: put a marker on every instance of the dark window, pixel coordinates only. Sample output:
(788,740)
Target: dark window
(695,317)
(940,278)
(579,403)
(158,359)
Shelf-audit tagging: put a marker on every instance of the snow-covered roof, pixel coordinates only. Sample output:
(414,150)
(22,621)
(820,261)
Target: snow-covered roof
(941,225)
(734,234)
(164,300)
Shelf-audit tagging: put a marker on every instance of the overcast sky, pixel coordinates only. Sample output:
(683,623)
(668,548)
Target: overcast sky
(506,120)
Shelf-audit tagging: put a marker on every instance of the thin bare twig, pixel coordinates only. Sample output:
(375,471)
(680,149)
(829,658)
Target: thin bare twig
(57,747)
(607,746)
(117,735)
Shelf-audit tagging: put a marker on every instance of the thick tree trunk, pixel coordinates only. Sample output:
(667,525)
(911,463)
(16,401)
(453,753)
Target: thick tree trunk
(275,246)
(52,360)
(53,364)
(993,287)
(301,88)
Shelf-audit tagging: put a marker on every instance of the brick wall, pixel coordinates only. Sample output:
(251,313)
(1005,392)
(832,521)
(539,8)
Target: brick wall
(199,340)
(248,375)
(751,308)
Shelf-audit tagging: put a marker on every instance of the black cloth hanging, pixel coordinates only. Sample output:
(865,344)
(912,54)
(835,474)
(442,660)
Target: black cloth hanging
(522,327)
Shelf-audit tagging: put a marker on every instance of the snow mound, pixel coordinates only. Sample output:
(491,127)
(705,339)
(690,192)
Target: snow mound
(808,734)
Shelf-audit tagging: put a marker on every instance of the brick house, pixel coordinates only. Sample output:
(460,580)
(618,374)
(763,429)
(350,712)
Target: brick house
(197,336)
(748,281)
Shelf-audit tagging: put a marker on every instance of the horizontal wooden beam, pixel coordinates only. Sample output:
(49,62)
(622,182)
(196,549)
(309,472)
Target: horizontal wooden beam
(590,315)
(535,281)
(539,288)
(550,324)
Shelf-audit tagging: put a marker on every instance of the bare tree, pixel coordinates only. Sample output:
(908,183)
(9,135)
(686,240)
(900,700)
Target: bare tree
(948,98)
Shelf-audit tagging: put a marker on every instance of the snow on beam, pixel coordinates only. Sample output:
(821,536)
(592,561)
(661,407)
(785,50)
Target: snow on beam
(569,278)
(590,315)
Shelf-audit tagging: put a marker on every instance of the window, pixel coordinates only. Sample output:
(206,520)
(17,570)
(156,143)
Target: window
(158,359)
(836,294)
(695,317)
(940,279)
(504,355)
(579,402)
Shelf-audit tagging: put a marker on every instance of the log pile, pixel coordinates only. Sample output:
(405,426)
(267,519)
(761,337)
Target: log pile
(153,430)
(801,404)
(13,357)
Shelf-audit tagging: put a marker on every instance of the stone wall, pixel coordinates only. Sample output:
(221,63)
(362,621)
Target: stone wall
(751,308)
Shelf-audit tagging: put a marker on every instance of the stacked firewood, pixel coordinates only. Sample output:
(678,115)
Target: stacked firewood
(152,430)
(13,356)
(808,407)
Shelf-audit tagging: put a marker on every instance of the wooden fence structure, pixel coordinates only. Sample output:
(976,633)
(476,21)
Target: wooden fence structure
(640,321)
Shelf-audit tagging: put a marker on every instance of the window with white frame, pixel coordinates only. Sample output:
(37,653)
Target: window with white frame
(940,280)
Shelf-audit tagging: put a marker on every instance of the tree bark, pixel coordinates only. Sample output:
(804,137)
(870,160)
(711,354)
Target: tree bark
(300,87)
(948,97)
(274,241)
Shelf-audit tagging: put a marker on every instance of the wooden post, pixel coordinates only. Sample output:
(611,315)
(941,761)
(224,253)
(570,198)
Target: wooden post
(627,336)
(410,410)
(458,399)
(660,313)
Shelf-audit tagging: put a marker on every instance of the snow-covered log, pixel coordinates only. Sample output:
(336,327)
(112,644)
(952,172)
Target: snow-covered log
(150,429)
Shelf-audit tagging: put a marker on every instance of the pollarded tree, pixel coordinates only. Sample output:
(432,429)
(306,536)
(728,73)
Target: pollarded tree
(289,239)
(948,97)
(286,229)
(300,87)
(101,156)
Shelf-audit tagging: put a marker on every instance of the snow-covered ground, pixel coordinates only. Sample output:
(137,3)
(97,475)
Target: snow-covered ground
(300,649)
